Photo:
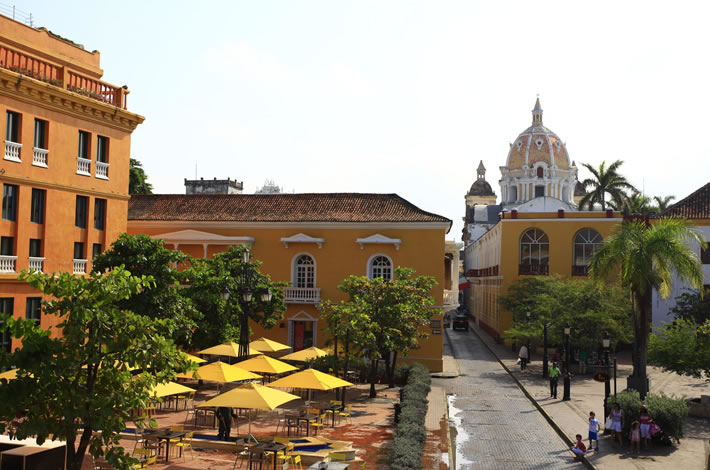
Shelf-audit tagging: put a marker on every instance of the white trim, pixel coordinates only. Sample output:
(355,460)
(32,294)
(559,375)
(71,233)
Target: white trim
(368,266)
(379,239)
(302,238)
(196,237)
(293,268)
(568,219)
(302,316)
(291,225)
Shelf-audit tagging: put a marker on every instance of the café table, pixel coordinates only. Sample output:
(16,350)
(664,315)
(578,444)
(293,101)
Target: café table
(167,435)
(331,466)
(273,447)
(307,418)
(333,408)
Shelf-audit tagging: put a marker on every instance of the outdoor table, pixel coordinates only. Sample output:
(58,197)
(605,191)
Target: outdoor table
(274,447)
(331,465)
(307,418)
(31,458)
(167,435)
(333,408)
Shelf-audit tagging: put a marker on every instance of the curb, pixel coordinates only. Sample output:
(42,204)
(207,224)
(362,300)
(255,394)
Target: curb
(449,447)
(542,411)
(444,374)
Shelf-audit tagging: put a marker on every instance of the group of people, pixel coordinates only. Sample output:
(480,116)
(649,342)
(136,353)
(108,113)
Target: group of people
(640,430)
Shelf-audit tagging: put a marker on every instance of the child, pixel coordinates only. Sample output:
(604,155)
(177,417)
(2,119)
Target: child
(593,431)
(580,448)
(635,437)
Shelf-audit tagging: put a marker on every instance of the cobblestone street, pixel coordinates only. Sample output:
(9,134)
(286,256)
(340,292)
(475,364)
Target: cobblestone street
(496,425)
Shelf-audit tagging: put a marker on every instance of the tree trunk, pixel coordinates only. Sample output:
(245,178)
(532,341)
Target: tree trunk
(388,365)
(390,375)
(373,378)
(75,457)
(645,306)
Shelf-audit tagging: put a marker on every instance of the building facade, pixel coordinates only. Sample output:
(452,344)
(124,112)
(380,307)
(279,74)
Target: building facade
(313,241)
(65,165)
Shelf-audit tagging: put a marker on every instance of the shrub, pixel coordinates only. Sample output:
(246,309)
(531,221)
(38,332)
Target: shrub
(668,412)
(410,436)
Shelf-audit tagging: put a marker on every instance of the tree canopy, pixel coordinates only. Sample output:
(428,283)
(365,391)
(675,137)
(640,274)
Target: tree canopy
(73,383)
(137,179)
(682,347)
(605,181)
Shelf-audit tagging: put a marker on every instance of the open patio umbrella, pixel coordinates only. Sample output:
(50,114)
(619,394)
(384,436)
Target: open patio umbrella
(267,345)
(253,396)
(304,354)
(195,359)
(9,374)
(170,388)
(227,349)
(311,379)
(265,365)
(220,372)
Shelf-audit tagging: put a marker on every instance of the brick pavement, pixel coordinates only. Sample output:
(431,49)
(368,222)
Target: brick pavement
(588,395)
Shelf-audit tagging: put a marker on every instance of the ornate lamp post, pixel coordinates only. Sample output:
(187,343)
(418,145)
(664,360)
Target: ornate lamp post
(566,394)
(607,386)
(545,368)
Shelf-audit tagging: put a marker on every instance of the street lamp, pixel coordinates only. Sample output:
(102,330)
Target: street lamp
(527,314)
(567,330)
(606,340)
(545,368)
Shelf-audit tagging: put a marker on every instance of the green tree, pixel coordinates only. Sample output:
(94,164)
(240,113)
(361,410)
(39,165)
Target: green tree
(73,381)
(145,256)
(636,203)
(605,181)
(137,179)
(682,347)
(386,318)
(228,320)
(692,306)
(646,258)
(589,308)
(662,203)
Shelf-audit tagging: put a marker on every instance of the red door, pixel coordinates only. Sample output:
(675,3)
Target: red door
(299,329)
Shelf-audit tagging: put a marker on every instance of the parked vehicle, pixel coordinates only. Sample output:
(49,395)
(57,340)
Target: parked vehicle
(461,322)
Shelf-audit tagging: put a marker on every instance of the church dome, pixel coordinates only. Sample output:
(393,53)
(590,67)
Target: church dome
(537,144)
(480,188)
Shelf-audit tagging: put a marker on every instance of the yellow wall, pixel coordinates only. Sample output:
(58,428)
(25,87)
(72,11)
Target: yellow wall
(340,256)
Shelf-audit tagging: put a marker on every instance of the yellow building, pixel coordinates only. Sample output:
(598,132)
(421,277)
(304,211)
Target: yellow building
(65,165)
(314,241)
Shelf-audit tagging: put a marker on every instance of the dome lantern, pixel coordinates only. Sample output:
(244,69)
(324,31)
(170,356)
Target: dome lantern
(537,113)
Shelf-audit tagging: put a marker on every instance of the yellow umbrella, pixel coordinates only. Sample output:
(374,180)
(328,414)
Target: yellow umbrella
(195,359)
(311,379)
(220,372)
(227,349)
(170,388)
(9,374)
(252,396)
(267,345)
(305,354)
(265,365)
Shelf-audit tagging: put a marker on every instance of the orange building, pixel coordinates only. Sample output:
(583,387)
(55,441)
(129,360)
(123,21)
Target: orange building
(65,165)
(314,241)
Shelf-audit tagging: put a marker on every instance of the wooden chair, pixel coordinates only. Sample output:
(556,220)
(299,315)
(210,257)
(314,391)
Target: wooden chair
(185,444)
(281,423)
(242,455)
(347,414)
(257,456)
(153,444)
(291,422)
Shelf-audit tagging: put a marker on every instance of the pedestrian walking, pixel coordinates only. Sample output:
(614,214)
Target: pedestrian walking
(645,425)
(582,362)
(593,431)
(616,420)
(523,357)
(554,374)
(635,437)
(579,449)
(224,417)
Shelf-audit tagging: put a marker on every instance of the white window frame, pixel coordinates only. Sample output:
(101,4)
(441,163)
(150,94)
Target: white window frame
(294,270)
(595,246)
(370,266)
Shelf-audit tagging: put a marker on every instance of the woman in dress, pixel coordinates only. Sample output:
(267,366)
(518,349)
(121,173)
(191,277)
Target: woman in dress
(645,419)
(617,422)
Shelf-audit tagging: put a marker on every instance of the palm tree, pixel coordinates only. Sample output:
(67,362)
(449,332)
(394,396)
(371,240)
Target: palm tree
(646,257)
(636,203)
(663,202)
(605,181)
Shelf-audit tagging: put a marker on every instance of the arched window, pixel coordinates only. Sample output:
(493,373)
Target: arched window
(534,247)
(380,266)
(540,172)
(586,243)
(304,273)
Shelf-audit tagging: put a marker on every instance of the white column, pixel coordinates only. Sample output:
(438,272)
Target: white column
(204,247)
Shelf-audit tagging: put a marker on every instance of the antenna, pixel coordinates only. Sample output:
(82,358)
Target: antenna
(195,170)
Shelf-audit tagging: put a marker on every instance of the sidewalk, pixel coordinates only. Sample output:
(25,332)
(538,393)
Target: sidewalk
(588,395)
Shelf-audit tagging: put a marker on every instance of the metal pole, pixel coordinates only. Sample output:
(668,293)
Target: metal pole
(566,395)
(545,368)
(607,384)
(614,376)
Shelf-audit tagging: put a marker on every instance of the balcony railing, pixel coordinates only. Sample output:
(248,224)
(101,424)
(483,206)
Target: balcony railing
(450,297)
(36,263)
(580,270)
(56,75)
(302,295)
(102,170)
(39,157)
(83,166)
(7,263)
(533,269)
(80,266)
(483,272)
(12,151)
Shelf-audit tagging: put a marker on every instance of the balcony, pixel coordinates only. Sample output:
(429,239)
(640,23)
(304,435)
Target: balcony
(451,297)
(61,77)
(12,151)
(483,272)
(7,263)
(80,266)
(102,170)
(36,263)
(83,166)
(580,270)
(39,157)
(533,269)
(302,295)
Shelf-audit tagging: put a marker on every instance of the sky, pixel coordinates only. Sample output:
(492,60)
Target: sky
(404,96)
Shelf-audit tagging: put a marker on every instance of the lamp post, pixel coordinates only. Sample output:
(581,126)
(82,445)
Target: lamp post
(528,314)
(545,367)
(566,395)
(607,386)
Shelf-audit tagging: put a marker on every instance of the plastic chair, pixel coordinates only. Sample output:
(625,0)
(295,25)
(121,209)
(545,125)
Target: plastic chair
(150,461)
(319,423)
(347,414)
(185,444)
(297,461)
(288,456)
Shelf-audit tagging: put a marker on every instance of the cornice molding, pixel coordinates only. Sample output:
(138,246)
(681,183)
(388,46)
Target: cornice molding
(302,238)
(132,223)
(62,187)
(198,237)
(378,239)
(54,98)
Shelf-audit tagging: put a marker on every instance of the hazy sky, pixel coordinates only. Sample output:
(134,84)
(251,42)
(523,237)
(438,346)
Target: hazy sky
(401,96)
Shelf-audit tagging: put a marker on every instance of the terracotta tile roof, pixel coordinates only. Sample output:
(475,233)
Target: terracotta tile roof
(695,206)
(306,207)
